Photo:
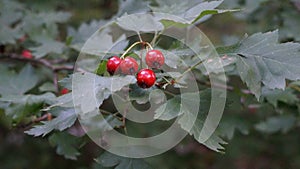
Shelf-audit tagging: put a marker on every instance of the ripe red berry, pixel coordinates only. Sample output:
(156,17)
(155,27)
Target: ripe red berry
(155,59)
(146,78)
(129,66)
(27,54)
(113,64)
(64,91)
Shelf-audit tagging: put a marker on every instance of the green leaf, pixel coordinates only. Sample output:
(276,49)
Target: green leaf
(232,123)
(141,96)
(10,12)
(275,124)
(214,142)
(47,46)
(8,35)
(111,160)
(22,105)
(84,31)
(28,99)
(186,12)
(91,90)
(65,144)
(172,57)
(36,24)
(133,6)
(276,95)
(54,17)
(97,124)
(183,107)
(247,6)
(102,42)
(261,59)
(169,110)
(47,87)
(101,68)
(290,25)
(65,100)
(64,120)
(140,23)
(66,82)
(18,84)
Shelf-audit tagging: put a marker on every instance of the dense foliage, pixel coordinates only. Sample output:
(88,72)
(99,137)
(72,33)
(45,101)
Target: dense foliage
(40,43)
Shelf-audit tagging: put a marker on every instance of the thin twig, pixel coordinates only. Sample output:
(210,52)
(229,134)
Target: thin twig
(36,120)
(44,62)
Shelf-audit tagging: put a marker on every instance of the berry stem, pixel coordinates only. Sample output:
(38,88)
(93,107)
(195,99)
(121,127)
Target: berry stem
(140,37)
(188,70)
(133,45)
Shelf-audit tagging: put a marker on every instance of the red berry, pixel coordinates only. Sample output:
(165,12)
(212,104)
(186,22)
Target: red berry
(129,66)
(27,54)
(64,91)
(146,78)
(155,59)
(113,64)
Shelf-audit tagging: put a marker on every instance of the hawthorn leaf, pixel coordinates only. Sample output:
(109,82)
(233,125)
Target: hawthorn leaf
(18,111)
(65,144)
(18,84)
(247,6)
(97,125)
(65,100)
(66,82)
(277,124)
(215,142)
(54,17)
(169,110)
(35,24)
(110,160)
(133,6)
(183,107)
(28,99)
(65,119)
(200,132)
(139,95)
(47,46)
(84,31)
(102,42)
(86,88)
(172,57)
(101,69)
(290,25)
(140,23)
(8,35)
(91,90)
(230,124)
(47,87)
(273,96)
(260,59)
(186,12)
(10,12)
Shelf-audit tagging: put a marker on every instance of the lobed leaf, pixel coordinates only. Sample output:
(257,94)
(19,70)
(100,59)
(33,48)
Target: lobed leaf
(66,144)
(260,59)
(65,119)
(275,124)
(117,162)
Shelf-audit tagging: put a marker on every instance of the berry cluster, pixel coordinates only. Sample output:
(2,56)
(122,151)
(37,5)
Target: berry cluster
(129,66)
